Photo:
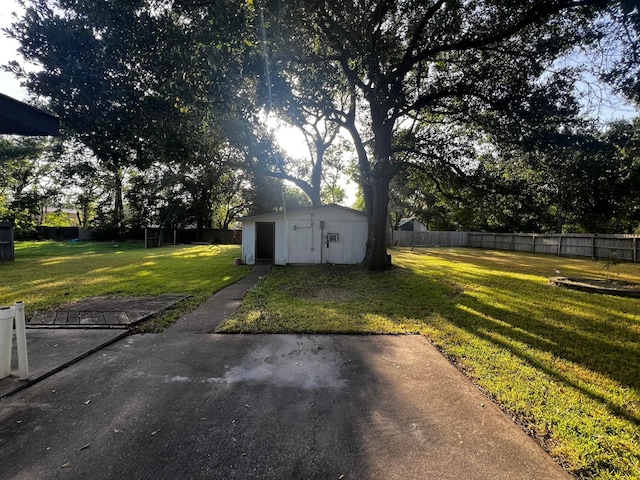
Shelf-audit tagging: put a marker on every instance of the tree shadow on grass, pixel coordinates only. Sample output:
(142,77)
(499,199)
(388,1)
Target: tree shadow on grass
(586,337)
(567,335)
(525,340)
(561,333)
(558,359)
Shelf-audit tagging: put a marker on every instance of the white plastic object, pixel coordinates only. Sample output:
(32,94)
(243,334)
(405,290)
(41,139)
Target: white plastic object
(6,334)
(21,340)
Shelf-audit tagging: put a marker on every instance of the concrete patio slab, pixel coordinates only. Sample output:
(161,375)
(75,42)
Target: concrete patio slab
(187,404)
(264,406)
(49,351)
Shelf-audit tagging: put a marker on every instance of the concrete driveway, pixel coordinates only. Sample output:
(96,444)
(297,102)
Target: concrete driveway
(185,405)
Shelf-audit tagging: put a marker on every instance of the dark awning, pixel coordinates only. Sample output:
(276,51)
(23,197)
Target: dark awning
(17,118)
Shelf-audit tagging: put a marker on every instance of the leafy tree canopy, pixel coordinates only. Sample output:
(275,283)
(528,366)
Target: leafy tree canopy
(456,91)
(403,77)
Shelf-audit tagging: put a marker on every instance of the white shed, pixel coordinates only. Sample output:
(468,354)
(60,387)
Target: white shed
(412,225)
(324,234)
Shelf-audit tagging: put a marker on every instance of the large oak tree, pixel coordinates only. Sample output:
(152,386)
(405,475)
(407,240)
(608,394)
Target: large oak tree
(415,66)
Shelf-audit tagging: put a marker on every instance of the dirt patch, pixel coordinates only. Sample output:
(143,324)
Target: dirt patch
(323,294)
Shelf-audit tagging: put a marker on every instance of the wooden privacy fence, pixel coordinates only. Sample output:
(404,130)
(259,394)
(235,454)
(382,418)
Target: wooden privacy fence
(430,238)
(620,247)
(157,237)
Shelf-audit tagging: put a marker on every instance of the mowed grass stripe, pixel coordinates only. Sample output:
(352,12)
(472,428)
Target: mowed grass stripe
(48,275)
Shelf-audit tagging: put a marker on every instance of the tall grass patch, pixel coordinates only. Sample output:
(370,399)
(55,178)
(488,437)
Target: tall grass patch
(564,364)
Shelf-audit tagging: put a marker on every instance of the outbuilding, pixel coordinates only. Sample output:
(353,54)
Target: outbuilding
(411,225)
(323,234)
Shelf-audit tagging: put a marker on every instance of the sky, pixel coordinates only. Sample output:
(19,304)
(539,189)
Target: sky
(8,51)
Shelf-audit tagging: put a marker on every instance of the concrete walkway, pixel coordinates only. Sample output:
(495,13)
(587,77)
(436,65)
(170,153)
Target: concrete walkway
(223,304)
(185,405)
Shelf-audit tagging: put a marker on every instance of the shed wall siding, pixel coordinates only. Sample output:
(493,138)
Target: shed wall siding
(249,243)
(304,239)
(307,241)
(351,245)
(299,238)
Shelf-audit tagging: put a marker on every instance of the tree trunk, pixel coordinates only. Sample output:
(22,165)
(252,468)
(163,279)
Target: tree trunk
(199,229)
(376,256)
(376,194)
(118,207)
(314,196)
(559,221)
(316,174)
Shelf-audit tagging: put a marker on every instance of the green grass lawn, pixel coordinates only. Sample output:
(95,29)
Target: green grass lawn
(47,275)
(564,364)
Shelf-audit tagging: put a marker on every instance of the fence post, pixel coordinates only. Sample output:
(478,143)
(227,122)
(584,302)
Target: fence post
(593,246)
(559,245)
(533,243)
(7,250)
(635,249)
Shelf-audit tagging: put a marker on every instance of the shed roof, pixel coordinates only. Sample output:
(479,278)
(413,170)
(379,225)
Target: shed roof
(17,118)
(404,221)
(301,209)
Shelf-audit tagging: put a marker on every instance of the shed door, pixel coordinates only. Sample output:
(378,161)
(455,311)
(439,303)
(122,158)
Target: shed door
(265,242)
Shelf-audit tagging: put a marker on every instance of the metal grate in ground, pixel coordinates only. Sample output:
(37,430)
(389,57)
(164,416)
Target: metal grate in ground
(104,312)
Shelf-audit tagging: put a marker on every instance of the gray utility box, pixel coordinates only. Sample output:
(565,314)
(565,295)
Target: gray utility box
(7,253)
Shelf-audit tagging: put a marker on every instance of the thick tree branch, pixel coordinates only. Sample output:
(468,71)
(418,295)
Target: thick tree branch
(536,14)
(417,34)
